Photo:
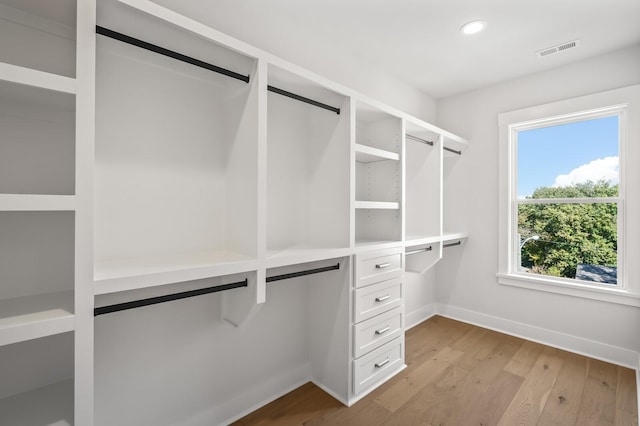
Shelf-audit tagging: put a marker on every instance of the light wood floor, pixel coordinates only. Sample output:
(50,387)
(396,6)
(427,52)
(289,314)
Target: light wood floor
(460,374)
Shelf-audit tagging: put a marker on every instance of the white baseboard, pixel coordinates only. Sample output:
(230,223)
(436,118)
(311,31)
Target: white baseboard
(579,345)
(330,392)
(253,398)
(638,386)
(414,318)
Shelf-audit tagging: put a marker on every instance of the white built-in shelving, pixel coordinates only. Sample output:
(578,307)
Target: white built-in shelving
(378,176)
(37,211)
(127,173)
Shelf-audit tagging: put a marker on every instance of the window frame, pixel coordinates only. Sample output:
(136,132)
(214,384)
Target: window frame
(564,112)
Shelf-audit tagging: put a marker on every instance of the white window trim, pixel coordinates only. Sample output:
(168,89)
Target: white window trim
(614,102)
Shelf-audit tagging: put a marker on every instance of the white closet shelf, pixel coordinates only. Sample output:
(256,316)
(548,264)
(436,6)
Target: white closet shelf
(412,241)
(366,245)
(452,236)
(377,205)
(31,317)
(51,405)
(131,274)
(368,154)
(30,77)
(36,202)
(303,254)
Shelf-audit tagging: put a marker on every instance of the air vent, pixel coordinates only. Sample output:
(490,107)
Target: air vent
(558,48)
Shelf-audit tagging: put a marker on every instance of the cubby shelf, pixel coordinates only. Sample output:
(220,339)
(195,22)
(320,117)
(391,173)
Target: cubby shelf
(30,77)
(369,154)
(377,205)
(31,317)
(28,202)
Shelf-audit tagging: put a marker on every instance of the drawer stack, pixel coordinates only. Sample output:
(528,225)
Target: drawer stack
(378,317)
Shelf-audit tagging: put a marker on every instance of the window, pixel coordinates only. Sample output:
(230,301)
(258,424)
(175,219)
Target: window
(567,203)
(564,199)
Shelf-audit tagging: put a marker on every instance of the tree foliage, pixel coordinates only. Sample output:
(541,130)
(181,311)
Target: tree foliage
(569,233)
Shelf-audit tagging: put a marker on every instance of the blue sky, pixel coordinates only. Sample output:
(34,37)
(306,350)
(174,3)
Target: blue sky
(573,152)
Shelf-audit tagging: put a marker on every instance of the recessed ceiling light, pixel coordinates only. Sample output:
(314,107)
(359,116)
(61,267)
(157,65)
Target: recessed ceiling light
(473,27)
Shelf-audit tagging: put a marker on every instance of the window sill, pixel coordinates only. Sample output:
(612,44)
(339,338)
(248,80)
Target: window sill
(621,297)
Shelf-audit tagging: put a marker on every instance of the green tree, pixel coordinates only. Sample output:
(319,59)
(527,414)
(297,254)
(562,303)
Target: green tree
(569,233)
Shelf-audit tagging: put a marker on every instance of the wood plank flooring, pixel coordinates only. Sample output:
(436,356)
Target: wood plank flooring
(460,374)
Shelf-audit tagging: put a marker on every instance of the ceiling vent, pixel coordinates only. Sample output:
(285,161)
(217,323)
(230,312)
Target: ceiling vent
(558,48)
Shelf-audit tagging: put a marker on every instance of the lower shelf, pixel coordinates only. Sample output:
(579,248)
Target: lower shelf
(31,317)
(50,405)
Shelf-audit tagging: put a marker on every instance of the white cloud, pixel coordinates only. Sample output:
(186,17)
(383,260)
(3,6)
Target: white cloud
(602,168)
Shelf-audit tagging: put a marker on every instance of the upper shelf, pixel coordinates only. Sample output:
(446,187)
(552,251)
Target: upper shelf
(130,274)
(368,154)
(29,202)
(448,236)
(30,77)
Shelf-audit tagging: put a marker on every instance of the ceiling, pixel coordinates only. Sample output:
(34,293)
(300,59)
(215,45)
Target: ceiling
(418,41)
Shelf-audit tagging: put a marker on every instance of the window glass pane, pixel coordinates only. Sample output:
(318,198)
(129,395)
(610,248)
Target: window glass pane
(570,160)
(576,241)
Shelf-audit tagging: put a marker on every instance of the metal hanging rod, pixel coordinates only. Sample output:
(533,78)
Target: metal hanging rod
(417,139)
(302,99)
(452,150)
(303,273)
(170,53)
(167,298)
(457,243)
(421,250)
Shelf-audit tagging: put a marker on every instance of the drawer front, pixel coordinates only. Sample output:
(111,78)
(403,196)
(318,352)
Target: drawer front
(377,365)
(377,331)
(376,299)
(378,265)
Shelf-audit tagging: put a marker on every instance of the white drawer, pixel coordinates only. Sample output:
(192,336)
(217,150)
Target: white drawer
(377,331)
(376,299)
(378,265)
(377,365)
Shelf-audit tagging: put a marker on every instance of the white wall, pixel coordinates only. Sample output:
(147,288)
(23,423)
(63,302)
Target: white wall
(467,285)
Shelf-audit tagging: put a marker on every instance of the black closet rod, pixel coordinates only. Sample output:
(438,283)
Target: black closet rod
(457,243)
(452,150)
(303,273)
(421,250)
(167,298)
(417,139)
(170,53)
(302,99)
